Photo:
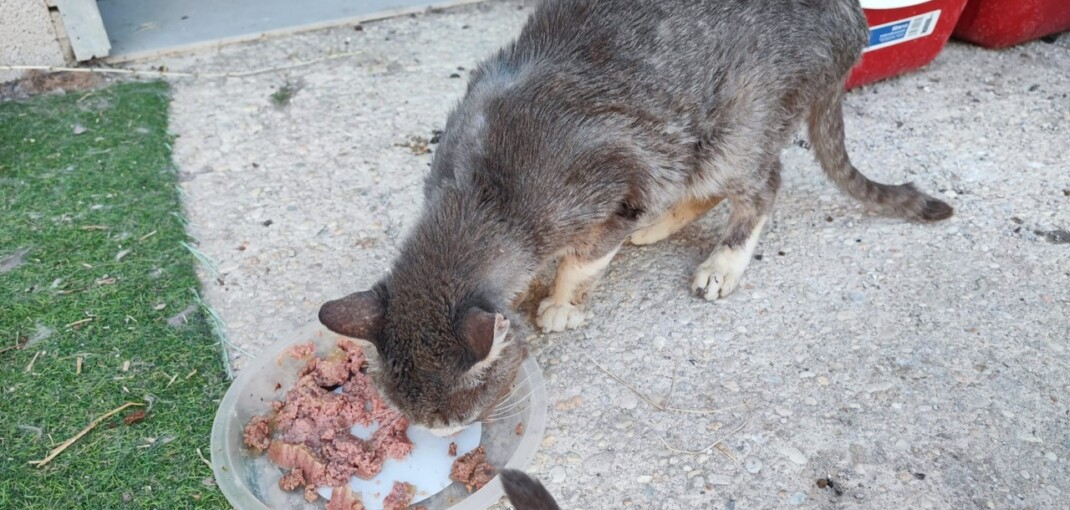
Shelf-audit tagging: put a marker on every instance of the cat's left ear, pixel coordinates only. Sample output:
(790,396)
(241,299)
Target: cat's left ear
(358,315)
(485,333)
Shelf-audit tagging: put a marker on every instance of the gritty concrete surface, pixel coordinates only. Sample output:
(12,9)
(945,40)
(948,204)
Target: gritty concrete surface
(27,36)
(914,366)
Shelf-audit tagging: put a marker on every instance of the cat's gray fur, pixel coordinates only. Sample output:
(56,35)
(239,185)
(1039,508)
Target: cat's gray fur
(525,492)
(596,124)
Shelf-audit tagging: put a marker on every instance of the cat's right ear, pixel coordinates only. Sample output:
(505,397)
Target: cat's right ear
(358,315)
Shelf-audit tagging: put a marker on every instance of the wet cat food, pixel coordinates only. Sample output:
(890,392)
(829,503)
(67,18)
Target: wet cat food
(400,496)
(472,469)
(308,431)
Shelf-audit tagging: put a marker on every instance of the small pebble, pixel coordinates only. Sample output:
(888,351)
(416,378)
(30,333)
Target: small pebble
(879,387)
(644,478)
(752,465)
(1050,456)
(797,498)
(599,462)
(557,474)
(793,454)
(659,342)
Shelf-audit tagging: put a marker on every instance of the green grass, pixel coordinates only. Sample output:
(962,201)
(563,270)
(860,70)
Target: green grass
(75,202)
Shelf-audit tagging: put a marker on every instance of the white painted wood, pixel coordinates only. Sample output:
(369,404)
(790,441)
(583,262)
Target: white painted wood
(84,27)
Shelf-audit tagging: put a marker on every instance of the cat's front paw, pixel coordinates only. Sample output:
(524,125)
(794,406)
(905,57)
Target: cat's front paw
(553,316)
(719,275)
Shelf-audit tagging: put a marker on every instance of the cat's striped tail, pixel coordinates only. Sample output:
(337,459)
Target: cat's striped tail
(827,139)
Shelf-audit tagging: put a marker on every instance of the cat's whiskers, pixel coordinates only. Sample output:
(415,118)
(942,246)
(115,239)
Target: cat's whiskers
(516,412)
(506,408)
(504,398)
(498,413)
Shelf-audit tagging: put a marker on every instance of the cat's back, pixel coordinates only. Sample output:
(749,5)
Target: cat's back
(671,37)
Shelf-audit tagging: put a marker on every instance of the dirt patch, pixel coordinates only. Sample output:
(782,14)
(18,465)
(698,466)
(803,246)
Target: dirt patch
(35,82)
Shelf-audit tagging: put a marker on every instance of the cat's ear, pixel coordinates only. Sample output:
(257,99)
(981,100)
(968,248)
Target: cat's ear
(485,333)
(358,315)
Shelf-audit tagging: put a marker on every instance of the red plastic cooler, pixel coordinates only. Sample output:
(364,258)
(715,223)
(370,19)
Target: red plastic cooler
(903,36)
(1002,23)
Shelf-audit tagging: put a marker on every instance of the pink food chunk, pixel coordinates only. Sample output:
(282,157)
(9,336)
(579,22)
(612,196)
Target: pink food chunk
(302,351)
(472,469)
(400,496)
(343,498)
(258,433)
(292,480)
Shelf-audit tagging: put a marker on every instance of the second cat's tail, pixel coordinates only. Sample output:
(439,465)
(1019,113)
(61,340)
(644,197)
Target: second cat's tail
(526,493)
(827,139)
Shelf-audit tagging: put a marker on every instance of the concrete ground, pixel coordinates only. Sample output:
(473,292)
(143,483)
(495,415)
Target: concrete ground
(913,366)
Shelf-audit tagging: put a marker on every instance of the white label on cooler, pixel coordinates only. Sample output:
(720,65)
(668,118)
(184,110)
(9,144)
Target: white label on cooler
(891,4)
(889,34)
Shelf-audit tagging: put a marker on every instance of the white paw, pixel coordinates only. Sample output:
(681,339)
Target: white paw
(554,316)
(719,275)
(649,235)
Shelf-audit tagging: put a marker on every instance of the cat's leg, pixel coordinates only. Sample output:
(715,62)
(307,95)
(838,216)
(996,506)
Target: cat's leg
(566,306)
(682,214)
(719,275)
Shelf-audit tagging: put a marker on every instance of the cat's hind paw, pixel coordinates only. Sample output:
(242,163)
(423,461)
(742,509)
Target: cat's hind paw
(554,316)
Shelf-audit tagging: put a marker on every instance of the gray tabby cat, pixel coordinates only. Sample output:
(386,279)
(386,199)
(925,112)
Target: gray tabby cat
(606,120)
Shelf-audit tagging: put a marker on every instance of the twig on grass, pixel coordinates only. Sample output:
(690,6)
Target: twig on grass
(19,344)
(79,323)
(29,368)
(66,444)
(204,460)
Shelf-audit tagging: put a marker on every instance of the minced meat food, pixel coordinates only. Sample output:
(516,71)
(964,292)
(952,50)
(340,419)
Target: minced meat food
(343,498)
(292,480)
(308,431)
(472,469)
(400,496)
(258,433)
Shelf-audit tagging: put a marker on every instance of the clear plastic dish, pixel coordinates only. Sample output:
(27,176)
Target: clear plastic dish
(250,482)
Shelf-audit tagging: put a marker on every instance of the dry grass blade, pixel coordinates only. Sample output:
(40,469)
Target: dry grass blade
(66,444)
(79,323)
(29,368)
(204,460)
(712,445)
(648,400)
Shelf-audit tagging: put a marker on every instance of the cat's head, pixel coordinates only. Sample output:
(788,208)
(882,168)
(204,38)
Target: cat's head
(442,368)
